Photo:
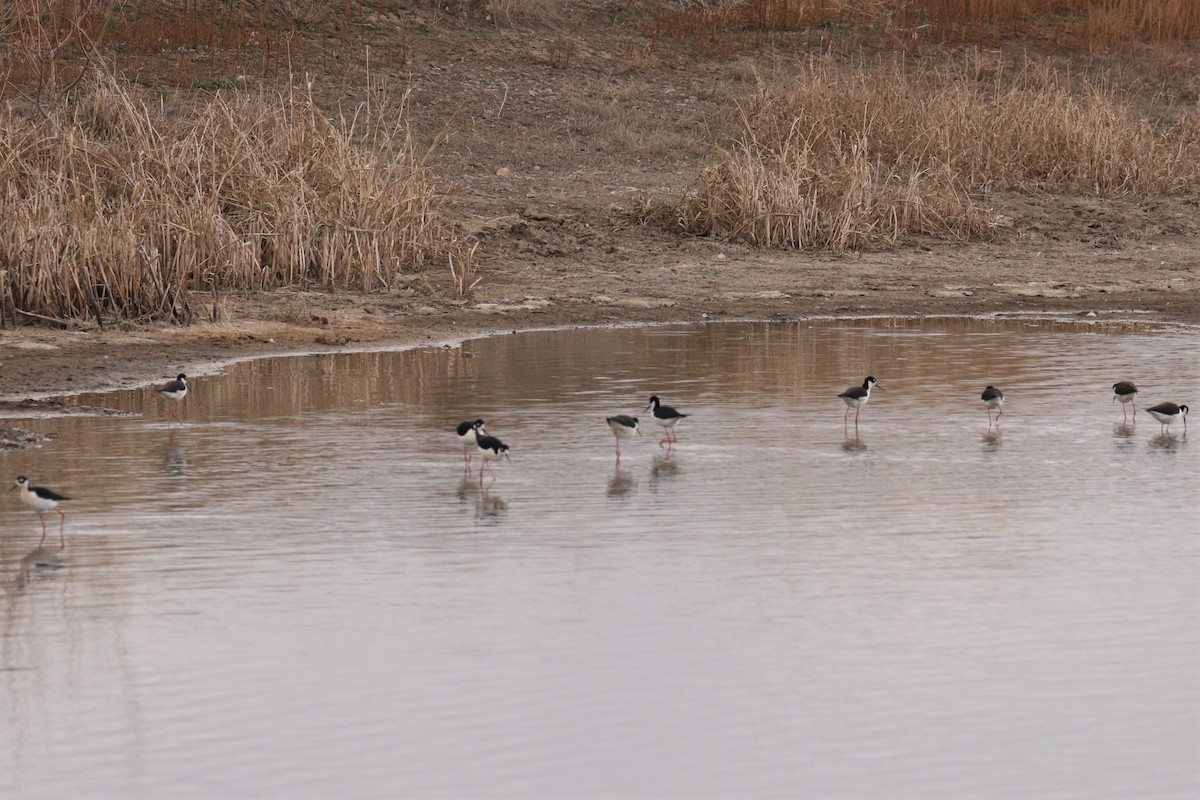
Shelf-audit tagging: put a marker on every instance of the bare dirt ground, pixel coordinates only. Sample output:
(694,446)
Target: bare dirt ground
(556,138)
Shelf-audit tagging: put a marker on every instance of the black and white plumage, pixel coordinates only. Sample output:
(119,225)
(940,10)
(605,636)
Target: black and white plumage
(856,397)
(667,417)
(1126,391)
(993,399)
(1167,413)
(623,426)
(175,391)
(41,500)
(468,433)
(490,449)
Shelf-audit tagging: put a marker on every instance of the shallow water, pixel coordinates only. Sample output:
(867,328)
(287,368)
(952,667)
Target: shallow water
(299,594)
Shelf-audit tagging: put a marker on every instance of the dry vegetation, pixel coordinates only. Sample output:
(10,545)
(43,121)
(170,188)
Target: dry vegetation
(121,203)
(1091,25)
(115,208)
(840,156)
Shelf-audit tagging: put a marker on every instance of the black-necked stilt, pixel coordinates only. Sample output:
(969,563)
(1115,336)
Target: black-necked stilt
(623,426)
(41,500)
(856,397)
(1125,391)
(468,433)
(1166,413)
(993,398)
(667,417)
(175,391)
(491,449)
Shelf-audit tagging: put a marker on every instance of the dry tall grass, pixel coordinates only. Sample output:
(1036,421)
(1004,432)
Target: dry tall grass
(840,157)
(117,209)
(1090,24)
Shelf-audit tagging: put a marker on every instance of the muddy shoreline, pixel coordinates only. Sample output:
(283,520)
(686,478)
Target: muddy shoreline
(38,364)
(565,178)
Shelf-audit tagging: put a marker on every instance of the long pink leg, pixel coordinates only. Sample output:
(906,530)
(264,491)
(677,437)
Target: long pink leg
(173,415)
(490,472)
(43,519)
(856,413)
(1134,410)
(62,521)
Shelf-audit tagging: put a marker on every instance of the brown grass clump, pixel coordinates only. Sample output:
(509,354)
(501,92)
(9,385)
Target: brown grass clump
(794,196)
(117,209)
(840,157)
(46,42)
(1095,25)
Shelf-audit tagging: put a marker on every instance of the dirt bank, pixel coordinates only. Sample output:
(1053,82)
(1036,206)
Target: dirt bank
(688,282)
(552,139)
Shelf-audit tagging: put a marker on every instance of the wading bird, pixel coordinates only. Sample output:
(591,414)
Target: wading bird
(41,500)
(175,391)
(468,433)
(993,398)
(623,426)
(668,418)
(1126,391)
(856,397)
(1166,413)
(491,449)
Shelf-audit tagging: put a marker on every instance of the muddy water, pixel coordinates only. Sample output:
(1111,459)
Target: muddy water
(299,593)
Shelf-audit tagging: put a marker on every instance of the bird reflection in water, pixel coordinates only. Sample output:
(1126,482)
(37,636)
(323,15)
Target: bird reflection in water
(664,467)
(489,506)
(174,458)
(1168,442)
(467,489)
(621,483)
(1124,430)
(38,565)
(991,440)
(854,444)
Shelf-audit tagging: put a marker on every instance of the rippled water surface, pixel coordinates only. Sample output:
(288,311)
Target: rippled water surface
(299,594)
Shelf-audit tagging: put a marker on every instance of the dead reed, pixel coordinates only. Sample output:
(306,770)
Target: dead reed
(840,157)
(46,42)
(116,209)
(713,26)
